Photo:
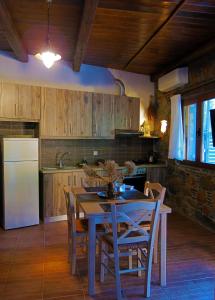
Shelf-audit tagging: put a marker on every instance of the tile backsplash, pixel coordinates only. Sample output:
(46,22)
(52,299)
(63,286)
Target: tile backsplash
(120,149)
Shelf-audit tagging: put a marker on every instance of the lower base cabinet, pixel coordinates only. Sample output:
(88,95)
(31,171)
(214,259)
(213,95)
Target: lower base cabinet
(54,205)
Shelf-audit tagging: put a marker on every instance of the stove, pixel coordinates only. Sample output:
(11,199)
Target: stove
(138,178)
(139,161)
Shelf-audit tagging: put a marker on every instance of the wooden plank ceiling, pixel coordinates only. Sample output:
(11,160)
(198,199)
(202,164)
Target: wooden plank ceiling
(141,36)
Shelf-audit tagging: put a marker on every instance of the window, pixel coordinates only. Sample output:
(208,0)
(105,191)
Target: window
(197,130)
(190,131)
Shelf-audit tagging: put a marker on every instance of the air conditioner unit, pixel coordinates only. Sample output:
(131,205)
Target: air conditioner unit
(173,80)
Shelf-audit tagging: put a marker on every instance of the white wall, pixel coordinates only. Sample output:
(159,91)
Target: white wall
(137,85)
(90,78)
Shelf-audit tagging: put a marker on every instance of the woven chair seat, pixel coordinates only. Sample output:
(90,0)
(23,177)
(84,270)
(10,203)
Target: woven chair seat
(82,226)
(108,238)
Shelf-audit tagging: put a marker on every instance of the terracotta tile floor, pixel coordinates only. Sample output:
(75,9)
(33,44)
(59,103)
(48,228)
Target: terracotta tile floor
(33,266)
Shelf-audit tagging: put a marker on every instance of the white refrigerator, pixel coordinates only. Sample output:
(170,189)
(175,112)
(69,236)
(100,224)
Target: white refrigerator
(20,178)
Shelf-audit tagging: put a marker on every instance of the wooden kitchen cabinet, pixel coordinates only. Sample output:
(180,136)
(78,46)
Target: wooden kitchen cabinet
(65,113)
(8,100)
(53,197)
(53,119)
(19,101)
(54,204)
(127,112)
(29,102)
(78,178)
(80,114)
(103,115)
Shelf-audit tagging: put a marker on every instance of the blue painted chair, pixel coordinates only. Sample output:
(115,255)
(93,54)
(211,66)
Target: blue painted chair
(115,245)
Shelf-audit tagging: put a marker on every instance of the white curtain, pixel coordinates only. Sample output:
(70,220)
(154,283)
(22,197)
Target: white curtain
(176,141)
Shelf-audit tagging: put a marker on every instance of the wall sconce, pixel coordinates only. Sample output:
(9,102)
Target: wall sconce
(163,126)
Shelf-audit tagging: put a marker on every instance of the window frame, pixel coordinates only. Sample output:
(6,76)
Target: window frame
(198,99)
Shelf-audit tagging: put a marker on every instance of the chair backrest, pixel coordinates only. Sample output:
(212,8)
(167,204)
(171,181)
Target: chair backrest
(155,190)
(134,213)
(70,207)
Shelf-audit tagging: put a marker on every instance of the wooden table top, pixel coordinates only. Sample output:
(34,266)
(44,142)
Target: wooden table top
(92,204)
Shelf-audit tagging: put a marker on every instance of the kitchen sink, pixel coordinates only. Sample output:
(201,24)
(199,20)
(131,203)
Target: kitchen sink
(68,168)
(58,168)
(49,168)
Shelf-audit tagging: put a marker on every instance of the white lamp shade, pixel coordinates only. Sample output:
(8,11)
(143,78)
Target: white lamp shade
(163,126)
(48,58)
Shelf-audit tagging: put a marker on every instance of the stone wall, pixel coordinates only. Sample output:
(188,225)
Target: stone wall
(190,190)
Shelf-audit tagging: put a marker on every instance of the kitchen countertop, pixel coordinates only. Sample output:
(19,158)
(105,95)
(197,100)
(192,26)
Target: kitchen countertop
(66,169)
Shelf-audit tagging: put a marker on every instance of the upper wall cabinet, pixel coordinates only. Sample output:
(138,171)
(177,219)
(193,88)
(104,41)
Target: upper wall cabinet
(65,113)
(127,112)
(49,107)
(103,115)
(19,101)
(29,102)
(80,114)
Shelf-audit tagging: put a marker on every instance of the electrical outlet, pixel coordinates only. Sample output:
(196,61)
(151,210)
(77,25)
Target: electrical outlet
(95,153)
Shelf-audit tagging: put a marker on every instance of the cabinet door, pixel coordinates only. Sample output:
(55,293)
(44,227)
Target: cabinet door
(53,194)
(78,178)
(80,114)
(103,115)
(127,112)
(48,122)
(62,117)
(47,195)
(54,113)
(8,100)
(28,102)
(59,202)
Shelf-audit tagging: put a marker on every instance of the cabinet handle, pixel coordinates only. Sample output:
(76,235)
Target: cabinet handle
(74,180)
(130,122)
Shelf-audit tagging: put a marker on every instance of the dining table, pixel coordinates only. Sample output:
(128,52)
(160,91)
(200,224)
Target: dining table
(97,211)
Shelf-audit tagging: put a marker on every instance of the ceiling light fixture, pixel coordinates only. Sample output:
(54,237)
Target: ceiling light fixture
(48,57)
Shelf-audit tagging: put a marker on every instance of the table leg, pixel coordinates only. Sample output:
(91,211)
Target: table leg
(163,238)
(91,255)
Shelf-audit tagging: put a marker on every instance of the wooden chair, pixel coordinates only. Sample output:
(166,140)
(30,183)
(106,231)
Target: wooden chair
(155,191)
(77,229)
(133,237)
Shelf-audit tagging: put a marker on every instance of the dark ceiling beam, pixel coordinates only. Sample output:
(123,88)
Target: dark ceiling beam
(11,33)
(154,34)
(88,15)
(201,51)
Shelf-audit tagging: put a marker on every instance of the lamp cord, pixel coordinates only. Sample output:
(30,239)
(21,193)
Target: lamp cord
(48,25)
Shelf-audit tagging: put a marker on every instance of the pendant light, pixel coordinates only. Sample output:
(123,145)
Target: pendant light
(48,57)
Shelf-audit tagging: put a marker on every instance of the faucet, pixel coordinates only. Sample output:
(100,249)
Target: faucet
(61,159)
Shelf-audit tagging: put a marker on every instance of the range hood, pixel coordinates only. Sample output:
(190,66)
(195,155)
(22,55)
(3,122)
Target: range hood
(127,132)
